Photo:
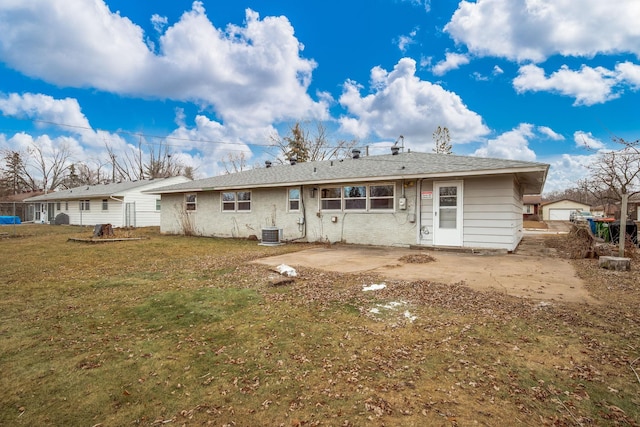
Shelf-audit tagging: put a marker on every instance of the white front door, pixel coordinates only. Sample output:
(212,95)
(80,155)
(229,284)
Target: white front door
(447,213)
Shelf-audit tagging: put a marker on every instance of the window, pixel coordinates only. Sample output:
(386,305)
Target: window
(157,204)
(84,205)
(355,197)
(381,196)
(105,204)
(330,198)
(190,202)
(358,197)
(58,206)
(294,199)
(66,206)
(236,201)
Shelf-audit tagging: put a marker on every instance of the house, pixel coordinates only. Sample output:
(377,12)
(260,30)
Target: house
(560,210)
(402,199)
(121,204)
(531,208)
(14,205)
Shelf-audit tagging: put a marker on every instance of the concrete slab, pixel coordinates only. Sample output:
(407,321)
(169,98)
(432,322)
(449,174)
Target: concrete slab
(537,277)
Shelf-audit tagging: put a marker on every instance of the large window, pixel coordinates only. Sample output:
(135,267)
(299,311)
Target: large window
(358,197)
(190,202)
(236,201)
(355,197)
(331,198)
(294,199)
(381,196)
(84,205)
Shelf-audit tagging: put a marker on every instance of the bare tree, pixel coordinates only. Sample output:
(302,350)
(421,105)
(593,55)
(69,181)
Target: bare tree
(235,162)
(45,168)
(442,141)
(136,164)
(300,144)
(615,175)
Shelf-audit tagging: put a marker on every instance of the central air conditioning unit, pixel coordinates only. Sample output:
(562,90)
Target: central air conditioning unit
(271,236)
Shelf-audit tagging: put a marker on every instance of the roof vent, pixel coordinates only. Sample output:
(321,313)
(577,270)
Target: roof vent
(395,150)
(293,160)
(355,153)
(267,163)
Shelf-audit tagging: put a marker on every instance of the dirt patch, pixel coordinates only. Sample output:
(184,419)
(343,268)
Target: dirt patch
(542,278)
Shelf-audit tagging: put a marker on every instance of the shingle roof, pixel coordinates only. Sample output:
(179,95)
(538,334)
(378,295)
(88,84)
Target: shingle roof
(370,168)
(101,190)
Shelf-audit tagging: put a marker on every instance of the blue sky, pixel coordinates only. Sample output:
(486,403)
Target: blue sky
(521,79)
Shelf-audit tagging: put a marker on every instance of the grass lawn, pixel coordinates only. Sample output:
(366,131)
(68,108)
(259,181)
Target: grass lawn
(174,330)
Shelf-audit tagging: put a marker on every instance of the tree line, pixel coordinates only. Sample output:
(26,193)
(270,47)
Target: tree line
(39,168)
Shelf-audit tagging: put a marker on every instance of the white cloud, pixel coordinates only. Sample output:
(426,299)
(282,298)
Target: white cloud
(65,115)
(159,22)
(630,73)
(452,61)
(252,75)
(588,85)
(513,144)
(497,71)
(536,29)
(405,41)
(545,130)
(566,170)
(402,104)
(426,4)
(587,140)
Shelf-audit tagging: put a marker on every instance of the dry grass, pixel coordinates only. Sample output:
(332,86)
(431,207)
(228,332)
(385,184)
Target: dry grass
(181,330)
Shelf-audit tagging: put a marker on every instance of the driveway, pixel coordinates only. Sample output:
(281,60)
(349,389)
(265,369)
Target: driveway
(533,274)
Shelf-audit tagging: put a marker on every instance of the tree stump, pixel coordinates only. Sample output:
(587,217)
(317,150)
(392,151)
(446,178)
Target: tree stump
(615,263)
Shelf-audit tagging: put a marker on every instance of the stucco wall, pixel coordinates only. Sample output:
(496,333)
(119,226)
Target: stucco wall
(492,216)
(269,208)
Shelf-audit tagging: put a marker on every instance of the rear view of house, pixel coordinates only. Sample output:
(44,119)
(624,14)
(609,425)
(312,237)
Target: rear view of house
(121,204)
(399,199)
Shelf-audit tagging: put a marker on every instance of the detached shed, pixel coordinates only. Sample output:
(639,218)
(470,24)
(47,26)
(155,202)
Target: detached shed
(560,210)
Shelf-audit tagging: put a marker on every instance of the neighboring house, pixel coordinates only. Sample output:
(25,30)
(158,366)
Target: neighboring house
(560,210)
(14,205)
(531,207)
(406,199)
(121,204)
(610,210)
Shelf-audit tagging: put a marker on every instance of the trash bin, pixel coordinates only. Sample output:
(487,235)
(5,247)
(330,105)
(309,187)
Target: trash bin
(592,225)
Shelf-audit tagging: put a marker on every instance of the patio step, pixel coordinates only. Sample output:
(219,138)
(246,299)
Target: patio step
(534,246)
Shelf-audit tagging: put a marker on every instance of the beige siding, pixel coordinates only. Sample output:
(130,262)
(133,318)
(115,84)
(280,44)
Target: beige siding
(492,213)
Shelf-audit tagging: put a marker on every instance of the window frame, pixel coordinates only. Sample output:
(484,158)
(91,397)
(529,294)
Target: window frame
(105,204)
(356,202)
(239,202)
(392,197)
(291,200)
(158,205)
(191,202)
(85,204)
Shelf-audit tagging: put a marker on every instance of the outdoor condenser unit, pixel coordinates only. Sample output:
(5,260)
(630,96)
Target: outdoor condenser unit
(271,236)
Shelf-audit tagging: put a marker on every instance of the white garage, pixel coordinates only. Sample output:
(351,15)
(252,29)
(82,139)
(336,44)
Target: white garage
(560,210)
(560,214)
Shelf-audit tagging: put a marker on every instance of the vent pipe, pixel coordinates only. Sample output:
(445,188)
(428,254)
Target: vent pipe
(293,160)
(395,150)
(267,163)
(355,153)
